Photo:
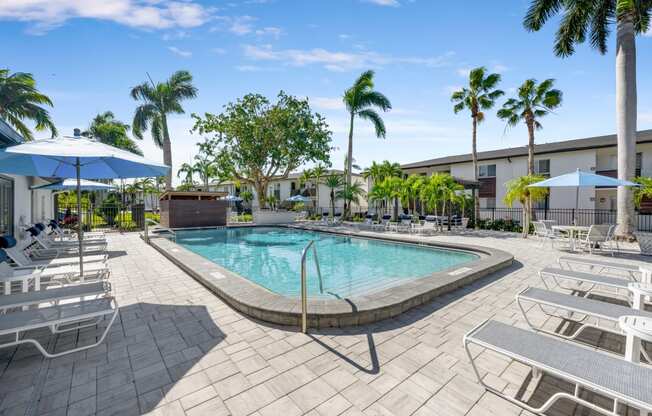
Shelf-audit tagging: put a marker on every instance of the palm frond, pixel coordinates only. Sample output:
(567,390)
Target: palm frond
(376,120)
(374,99)
(539,12)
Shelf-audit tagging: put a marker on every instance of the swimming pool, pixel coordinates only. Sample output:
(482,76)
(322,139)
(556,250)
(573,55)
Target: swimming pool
(350,266)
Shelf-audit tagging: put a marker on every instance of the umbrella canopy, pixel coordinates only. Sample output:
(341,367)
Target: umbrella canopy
(71,184)
(57,158)
(299,198)
(580,179)
(76,157)
(233,198)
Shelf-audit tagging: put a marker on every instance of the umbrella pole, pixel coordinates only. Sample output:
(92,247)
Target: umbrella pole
(79,223)
(577,203)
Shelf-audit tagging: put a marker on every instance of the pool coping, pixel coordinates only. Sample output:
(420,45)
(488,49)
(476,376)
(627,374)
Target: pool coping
(263,304)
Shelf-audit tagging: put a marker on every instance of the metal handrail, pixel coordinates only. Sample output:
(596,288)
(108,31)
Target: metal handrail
(146,234)
(304,286)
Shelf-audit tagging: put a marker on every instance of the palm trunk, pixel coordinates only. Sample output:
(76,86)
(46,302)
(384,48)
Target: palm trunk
(530,146)
(349,164)
(474,157)
(626,120)
(167,152)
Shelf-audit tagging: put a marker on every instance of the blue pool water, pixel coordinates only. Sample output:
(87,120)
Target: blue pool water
(270,257)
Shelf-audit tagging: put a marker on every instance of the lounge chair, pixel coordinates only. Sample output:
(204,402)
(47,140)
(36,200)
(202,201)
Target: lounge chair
(631,269)
(56,295)
(54,237)
(59,275)
(16,253)
(66,247)
(587,308)
(585,282)
(622,381)
(384,223)
(58,319)
(66,234)
(404,224)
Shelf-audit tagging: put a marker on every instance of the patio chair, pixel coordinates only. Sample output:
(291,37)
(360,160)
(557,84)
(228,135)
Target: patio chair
(58,319)
(545,235)
(384,223)
(600,311)
(598,235)
(66,247)
(429,225)
(404,224)
(65,234)
(621,381)
(55,296)
(631,269)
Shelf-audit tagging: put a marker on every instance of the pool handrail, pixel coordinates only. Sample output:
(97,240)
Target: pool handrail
(304,288)
(146,230)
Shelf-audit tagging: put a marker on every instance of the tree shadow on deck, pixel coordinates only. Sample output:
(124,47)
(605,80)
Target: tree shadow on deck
(149,349)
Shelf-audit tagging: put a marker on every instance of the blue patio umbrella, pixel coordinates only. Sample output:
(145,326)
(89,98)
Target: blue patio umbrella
(71,184)
(76,157)
(299,198)
(233,198)
(580,179)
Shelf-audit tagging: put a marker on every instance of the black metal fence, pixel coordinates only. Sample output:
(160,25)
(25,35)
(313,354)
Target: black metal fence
(104,217)
(565,216)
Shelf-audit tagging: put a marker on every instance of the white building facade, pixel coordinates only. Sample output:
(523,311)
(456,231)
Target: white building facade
(284,188)
(496,168)
(19,205)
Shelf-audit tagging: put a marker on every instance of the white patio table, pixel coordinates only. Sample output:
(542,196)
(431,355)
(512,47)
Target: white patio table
(572,231)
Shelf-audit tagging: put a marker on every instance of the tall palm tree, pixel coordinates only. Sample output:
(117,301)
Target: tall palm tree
(20,100)
(631,17)
(389,170)
(351,194)
(361,101)
(159,100)
(187,170)
(334,183)
(533,101)
(411,188)
(107,129)
(480,95)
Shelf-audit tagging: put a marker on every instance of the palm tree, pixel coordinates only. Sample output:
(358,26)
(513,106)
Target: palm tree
(361,101)
(389,170)
(20,100)
(205,168)
(351,194)
(159,100)
(631,17)
(480,95)
(379,193)
(334,183)
(188,171)
(411,188)
(107,129)
(318,174)
(518,190)
(532,103)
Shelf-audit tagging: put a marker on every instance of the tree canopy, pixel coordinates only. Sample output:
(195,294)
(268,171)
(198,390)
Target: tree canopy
(254,140)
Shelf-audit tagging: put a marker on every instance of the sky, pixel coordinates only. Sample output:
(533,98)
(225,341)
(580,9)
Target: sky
(87,54)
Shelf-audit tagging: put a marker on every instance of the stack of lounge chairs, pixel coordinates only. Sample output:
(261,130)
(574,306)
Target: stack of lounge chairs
(568,296)
(43,289)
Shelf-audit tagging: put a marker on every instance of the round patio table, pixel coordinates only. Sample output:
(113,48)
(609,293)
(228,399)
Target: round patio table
(636,329)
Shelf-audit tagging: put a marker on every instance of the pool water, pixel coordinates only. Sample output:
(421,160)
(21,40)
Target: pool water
(350,266)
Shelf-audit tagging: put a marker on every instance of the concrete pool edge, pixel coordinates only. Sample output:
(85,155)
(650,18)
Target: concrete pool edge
(260,303)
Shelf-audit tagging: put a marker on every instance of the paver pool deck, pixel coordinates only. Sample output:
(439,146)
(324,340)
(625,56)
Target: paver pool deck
(177,349)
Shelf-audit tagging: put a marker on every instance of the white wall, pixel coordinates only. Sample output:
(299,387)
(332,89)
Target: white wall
(30,206)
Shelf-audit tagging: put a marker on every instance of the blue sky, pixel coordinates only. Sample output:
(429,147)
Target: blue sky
(86,54)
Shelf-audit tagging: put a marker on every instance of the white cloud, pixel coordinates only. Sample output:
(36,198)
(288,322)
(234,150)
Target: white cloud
(180,52)
(390,3)
(272,31)
(242,25)
(326,103)
(450,89)
(248,68)
(337,61)
(145,14)
(500,68)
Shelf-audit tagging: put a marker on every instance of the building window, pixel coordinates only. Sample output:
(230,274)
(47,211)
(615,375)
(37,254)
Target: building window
(639,164)
(542,167)
(487,171)
(488,203)
(6,206)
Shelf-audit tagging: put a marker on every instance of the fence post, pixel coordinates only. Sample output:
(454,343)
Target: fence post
(493,214)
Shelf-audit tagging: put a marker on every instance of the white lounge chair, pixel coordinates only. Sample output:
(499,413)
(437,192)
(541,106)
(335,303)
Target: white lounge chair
(68,247)
(68,234)
(586,308)
(58,319)
(56,295)
(52,275)
(633,270)
(621,381)
(599,236)
(16,251)
(429,225)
